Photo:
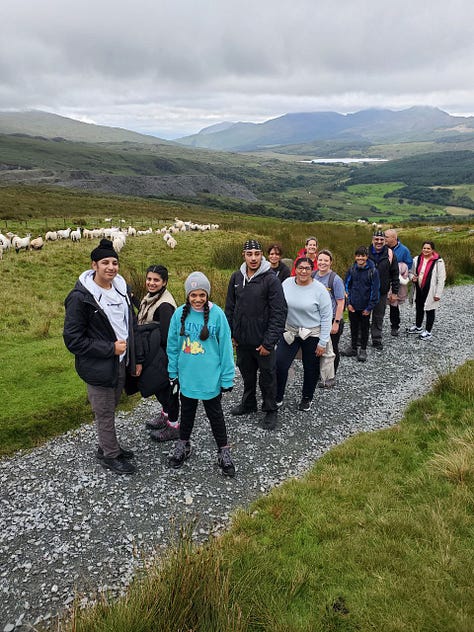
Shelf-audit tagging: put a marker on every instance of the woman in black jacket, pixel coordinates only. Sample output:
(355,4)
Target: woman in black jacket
(154,315)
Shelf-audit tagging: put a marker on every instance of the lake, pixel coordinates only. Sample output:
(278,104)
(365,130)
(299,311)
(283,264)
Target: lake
(346,161)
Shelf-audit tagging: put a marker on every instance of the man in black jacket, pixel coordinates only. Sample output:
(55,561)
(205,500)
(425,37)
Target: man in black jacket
(99,329)
(256,310)
(387,265)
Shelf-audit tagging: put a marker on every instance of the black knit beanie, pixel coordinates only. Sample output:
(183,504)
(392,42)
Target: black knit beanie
(104,250)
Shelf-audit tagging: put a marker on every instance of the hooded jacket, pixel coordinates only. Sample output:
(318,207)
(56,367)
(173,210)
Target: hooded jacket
(363,286)
(89,335)
(256,307)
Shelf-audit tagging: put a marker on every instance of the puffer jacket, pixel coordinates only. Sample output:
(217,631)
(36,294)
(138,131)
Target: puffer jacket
(256,308)
(154,376)
(89,335)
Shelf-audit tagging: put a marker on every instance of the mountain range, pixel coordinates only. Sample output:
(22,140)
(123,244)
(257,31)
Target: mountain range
(374,126)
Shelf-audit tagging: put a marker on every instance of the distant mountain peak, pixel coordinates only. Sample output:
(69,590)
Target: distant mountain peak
(375,125)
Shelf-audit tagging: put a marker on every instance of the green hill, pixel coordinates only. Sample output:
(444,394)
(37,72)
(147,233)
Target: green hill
(37,123)
(443,168)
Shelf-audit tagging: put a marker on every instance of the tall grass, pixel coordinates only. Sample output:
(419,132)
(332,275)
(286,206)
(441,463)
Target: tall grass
(377,536)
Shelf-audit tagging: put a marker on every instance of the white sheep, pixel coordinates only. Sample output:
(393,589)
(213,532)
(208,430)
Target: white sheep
(51,235)
(64,234)
(172,243)
(5,242)
(75,235)
(21,243)
(37,244)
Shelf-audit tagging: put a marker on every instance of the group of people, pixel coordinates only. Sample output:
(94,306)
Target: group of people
(272,313)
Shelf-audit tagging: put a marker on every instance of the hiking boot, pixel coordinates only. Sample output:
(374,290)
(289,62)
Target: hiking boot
(270,420)
(182,451)
(414,330)
(168,433)
(124,453)
(240,410)
(377,345)
(158,423)
(349,352)
(394,332)
(279,404)
(426,335)
(305,403)
(224,461)
(119,464)
(362,355)
(330,382)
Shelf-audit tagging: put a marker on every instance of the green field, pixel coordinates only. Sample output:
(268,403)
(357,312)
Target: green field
(35,284)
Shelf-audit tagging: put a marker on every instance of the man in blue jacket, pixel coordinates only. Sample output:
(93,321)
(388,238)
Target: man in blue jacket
(256,310)
(403,255)
(100,330)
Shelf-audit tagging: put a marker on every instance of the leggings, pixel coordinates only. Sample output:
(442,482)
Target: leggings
(214,413)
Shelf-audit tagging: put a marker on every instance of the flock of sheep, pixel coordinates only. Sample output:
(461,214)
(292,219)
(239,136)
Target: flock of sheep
(117,235)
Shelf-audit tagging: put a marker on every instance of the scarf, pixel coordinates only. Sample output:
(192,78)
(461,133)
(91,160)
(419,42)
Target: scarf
(429,268)
(150,303)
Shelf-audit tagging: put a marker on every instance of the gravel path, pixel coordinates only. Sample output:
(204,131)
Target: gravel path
(69,527)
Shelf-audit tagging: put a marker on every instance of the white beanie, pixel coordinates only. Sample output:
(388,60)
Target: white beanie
(197,281)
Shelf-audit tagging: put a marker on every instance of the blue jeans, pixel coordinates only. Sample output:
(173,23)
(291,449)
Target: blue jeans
(286,354)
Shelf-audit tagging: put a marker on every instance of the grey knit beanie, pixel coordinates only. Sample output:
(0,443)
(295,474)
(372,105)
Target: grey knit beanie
(197,281)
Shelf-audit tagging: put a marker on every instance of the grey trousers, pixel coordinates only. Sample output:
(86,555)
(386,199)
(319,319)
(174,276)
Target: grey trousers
(377,319)
(104,400)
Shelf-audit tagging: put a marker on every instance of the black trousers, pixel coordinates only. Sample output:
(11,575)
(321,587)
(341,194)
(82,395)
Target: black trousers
(214,413)
(420,298)
(170,404)
(359,329)
(335,345)
(250,362)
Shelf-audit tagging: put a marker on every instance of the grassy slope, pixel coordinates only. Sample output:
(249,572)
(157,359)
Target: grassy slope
(377,536)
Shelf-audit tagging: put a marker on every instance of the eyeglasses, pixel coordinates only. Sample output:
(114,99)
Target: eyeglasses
(304,269)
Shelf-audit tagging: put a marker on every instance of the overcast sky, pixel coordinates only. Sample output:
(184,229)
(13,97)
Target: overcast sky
(172,67)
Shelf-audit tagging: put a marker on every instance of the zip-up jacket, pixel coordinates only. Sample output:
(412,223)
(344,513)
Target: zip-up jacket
(363,287)
(387,268)
(256,307)
(89,335)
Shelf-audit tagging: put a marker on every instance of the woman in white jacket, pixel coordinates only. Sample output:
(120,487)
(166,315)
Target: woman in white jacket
(428,274)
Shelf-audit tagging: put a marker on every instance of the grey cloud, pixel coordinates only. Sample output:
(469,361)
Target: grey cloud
(181,63)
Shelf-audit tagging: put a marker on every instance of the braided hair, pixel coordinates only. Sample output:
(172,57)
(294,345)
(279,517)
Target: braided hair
(204,335)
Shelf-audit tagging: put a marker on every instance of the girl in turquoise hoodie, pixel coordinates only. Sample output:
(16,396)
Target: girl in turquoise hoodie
(200,358)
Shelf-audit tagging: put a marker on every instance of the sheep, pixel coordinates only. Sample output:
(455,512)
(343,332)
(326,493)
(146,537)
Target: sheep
(64,234)
(119,242)
(37,244)
(5,242)
(172,243)
(21,243)
(1,252)
(75,235)
(132,231)
(51,235)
